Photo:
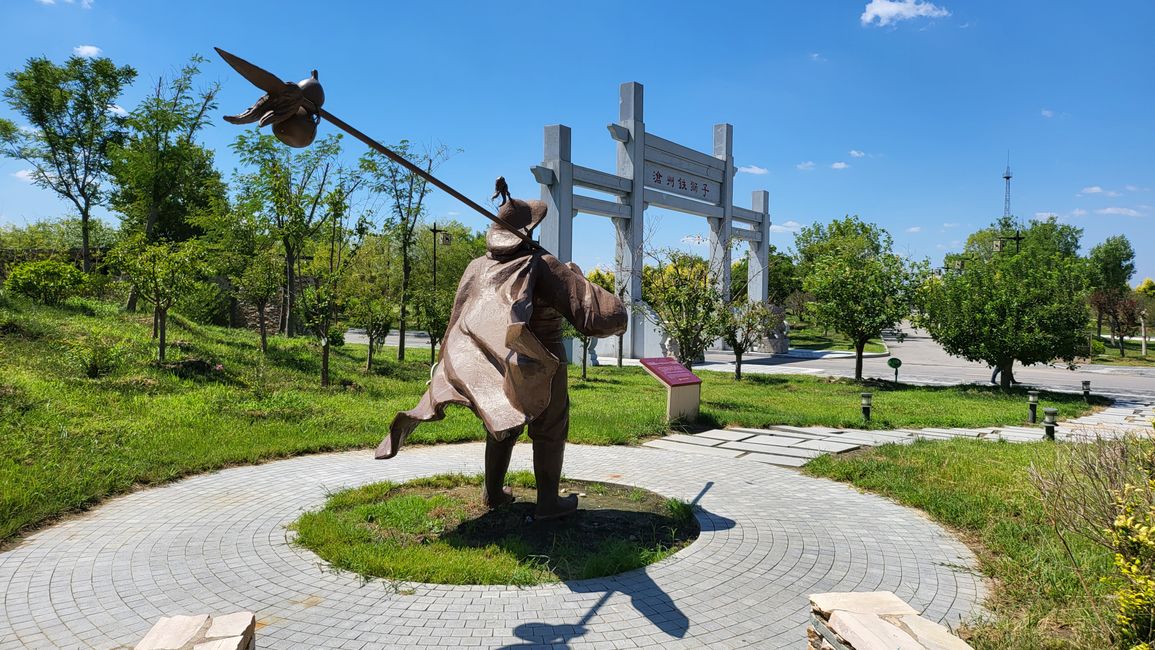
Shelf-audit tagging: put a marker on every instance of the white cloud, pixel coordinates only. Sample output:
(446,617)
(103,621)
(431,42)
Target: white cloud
(817,58)
(753,169)
(892,11)
(855,153)
(24,175)
(1125,212)
(1045,215)
(950,225)
(46,2)
(914,229)
(1136,188)
(1048,113)
(1094,189)
(116,109)
(805,166)
(86,51)
(1078,212)
(695,240)
(786,226)
(839,165)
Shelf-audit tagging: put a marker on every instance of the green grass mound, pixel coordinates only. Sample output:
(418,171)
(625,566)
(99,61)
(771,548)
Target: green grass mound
(982,490)
(436,530)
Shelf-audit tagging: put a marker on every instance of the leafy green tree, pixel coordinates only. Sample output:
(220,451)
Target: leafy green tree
(847,237)
(60,235)
(288,188)
(1112,265)
(687,306)
(781,277)
(406,193)
(259,285)
(161,175)
(433,302)
(860,292)
(1000,308)
(746,324)
(73,128)
(160,272)
(323,301)
(372,285)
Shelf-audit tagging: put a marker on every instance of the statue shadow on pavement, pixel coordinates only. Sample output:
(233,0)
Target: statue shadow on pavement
(645,595)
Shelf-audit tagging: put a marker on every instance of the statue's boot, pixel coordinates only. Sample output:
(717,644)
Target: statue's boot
(497,454)
(547,462)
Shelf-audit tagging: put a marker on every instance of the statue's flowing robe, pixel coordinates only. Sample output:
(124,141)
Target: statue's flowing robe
(502,347)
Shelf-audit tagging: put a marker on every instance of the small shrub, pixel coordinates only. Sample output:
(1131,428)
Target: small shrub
(96,354)
(1098,348)
(47,282)
(204,303)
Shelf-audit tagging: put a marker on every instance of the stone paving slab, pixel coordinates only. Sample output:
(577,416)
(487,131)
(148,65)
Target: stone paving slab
(217,543)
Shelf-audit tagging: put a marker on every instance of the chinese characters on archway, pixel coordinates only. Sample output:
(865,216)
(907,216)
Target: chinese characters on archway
(683,183)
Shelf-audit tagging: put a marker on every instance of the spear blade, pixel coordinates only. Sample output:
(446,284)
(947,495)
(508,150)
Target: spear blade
(259,77)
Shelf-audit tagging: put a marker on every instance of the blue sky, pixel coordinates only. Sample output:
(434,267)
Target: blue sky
(900,112)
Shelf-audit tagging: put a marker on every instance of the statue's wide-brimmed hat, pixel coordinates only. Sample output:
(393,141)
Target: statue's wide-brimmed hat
(516,214)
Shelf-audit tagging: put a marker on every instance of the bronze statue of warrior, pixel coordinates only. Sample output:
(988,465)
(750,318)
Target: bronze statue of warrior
(502,354)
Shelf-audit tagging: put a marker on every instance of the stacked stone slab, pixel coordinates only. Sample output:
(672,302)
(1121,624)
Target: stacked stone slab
(202,632)
(876,620)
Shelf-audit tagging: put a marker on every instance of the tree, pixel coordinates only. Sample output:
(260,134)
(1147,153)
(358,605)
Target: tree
(1145,294)
(1112,265)
(160,272)
(746,324)
(1000,308)
(322,302)
(288,188)
(406,193)
(859,294)
(432,301)
(259,285)
(849,236)
(687,306)
(74,125)
(160,173)
(371,288)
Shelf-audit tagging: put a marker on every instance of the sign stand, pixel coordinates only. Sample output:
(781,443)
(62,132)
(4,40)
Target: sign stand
(683,388)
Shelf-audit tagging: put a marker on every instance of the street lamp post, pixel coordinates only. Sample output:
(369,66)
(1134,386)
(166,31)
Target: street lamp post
(1033,405)
(1049,417)
(1001,241)
(438,233)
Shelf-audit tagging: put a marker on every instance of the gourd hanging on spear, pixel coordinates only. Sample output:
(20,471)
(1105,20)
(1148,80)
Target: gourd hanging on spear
(295,110)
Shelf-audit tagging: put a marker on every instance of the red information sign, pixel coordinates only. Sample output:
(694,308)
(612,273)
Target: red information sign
(670,372)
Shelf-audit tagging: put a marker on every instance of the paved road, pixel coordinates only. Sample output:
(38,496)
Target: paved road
(217,543)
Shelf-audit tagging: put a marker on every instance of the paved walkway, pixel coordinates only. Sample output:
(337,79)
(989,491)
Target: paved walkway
(794,446)
(217,543)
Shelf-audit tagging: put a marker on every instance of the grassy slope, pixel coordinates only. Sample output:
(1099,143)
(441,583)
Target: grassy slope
(982,489)
(1133,350)
(67,442)
(811,337)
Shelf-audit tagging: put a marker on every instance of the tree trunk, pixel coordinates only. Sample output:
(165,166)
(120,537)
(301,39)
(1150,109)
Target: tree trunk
(325,362)
(85,253)
(1006,374)
(405,271)
(130,306)
(162,318)
(264,335)
(432,351)
(290,291)
(155,322)
(585,356)
(1099,322)
(621,341)
(859,346)
(369,359)
(737,365)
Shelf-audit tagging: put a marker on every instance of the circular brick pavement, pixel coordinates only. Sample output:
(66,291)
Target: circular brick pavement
(217,543)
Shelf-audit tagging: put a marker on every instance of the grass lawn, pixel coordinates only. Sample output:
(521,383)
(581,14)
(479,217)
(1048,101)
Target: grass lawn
(811,337)
(67,441)
(981,490)
(436,529)
(1133,350)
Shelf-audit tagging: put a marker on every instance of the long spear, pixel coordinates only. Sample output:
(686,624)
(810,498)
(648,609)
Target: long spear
(284,100)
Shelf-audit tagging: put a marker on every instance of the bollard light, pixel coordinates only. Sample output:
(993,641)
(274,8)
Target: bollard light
(1049,416)
(1087,390)
(866,400)
(1033,405)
